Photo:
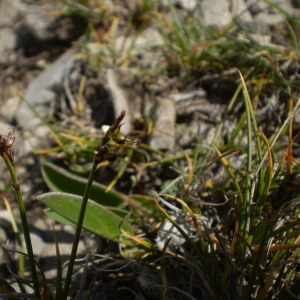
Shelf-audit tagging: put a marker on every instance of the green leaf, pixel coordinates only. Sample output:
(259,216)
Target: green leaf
(57,217)
(98,219)
(60,180)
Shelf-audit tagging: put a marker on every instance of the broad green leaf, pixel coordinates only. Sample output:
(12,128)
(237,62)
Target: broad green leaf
(98,219)
(60,180)
(57,217)
(61,219)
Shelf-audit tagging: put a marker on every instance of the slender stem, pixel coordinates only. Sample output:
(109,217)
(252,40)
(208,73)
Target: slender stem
(78,230)
(101,153)
(21,266)
(24,224)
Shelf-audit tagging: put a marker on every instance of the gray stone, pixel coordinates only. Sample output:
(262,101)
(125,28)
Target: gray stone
(10,11)
(37,242)
(216,15)
(146,37)
(7,42)
(188,5)
(51,77)
(9,14)
(8,109)
(163,135)
(4,128)
(222,14)
(142,47)
(46,23)
(39,92)
(240,11)
(32,27)
(119,100)
(268,15)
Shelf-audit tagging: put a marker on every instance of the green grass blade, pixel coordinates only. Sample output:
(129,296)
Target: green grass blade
(59,281)
(266,185)
(245,205)
(249,187)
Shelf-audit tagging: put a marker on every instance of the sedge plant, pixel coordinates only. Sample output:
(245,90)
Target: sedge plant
(8,156)
(102,153)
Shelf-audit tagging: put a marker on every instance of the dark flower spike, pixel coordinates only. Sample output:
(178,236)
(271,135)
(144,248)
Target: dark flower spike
(111,156)
(119,139)
(114,128)
(6,143)
(102,152)
(116,125)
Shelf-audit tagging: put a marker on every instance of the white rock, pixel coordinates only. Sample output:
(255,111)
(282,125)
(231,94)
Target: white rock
(216,15)
(163,135)
(119,100)
(146,37)
(9,11)
(188,5)
(7,42)
(239,10)
(39,90)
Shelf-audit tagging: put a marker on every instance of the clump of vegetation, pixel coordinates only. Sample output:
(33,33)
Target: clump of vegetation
(196,235)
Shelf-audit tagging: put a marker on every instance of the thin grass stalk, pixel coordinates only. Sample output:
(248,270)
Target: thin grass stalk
(179,31)
(59,280)
(257,189)
(227,166)
(121,171)
(279,167)
(229,110)
(266,186)
(37,114)
(216,137)
(78,230)
(237,130)
(168,159)
(259,186)
(21,261)
(293,35)
(245,205)
(163,273)
(286,122)
(11,295)
(285,15)
(289,161)
(25,226)
(220,127)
